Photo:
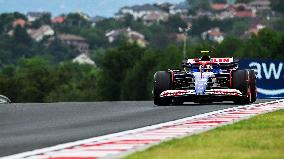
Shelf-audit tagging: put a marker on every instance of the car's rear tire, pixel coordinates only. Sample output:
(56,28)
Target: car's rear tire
(241,83)
(252,78)
(162,81)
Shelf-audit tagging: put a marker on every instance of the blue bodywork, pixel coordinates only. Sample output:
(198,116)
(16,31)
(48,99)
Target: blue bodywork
(201,80)
(200,85)
(201,76)
(215,69)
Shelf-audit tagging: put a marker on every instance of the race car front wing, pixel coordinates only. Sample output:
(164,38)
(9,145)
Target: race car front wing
(212,92)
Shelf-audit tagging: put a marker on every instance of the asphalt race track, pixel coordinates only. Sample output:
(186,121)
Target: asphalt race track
(25,127)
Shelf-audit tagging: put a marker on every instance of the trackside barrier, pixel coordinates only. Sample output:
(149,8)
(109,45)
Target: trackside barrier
(270,76)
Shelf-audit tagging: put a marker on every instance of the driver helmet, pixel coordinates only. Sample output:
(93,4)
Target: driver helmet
(205,58)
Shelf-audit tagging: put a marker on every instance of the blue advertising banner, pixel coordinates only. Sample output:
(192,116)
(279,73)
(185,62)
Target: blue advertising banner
(270,77)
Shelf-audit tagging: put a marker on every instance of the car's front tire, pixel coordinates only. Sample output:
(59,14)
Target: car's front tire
(162,81)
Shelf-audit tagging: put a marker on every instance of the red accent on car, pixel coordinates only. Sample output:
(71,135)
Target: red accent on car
(221,60)
(204,63)
(172,75)
(226,60)
(225,93)
(255,88)
(249,93)
(231,82)
(175,94)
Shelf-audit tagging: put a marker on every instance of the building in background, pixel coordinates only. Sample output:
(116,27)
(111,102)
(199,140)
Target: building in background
(75,41)
(138,11)
(32,16)
(155,18)
(19,22)
(219,6)
(180,8)
(260,5)
(131,35)
(84,59)
(213,34)
(94,20)
(40,33)
(58,20)
(254,29)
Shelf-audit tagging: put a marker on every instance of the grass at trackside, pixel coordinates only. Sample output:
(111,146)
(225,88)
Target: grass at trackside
(261,137)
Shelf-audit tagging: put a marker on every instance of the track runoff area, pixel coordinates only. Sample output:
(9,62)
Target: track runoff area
(124,143)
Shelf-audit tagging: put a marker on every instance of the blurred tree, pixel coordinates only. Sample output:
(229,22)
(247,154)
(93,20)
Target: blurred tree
(239,28)
(32,80)
(95,37)
(6,54)
(264,45)
(174,23)
(35,80)
(73,82)
(200,4)
(60,51)
(138,80)
(74,23)
(21,36)
(159,37)
(77,20)
(219,1)
(45,19)
(270,41)
(110,24)
(21,44)
(277,24)
(228,47)
(128,20)
(278,54)
(200,25)
(244,1)
(8,84)
(114,69)
(171,57)
(6,20)
(277,5)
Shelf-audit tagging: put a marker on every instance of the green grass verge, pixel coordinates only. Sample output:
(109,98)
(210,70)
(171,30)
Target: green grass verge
(261,137)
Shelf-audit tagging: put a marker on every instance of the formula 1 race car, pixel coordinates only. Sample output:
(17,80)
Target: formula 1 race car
(205,80)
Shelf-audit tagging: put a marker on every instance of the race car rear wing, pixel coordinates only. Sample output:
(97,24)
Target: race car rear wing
(215,60)
(222,60)
(224,63)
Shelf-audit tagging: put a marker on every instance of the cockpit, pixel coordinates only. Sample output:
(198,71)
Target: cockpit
(203,67)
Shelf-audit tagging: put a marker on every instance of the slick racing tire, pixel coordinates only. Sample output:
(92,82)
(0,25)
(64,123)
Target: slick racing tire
(241,83)
(252,78)
(162,82)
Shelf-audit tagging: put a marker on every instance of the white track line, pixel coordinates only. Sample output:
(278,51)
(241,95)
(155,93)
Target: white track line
(120,144)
